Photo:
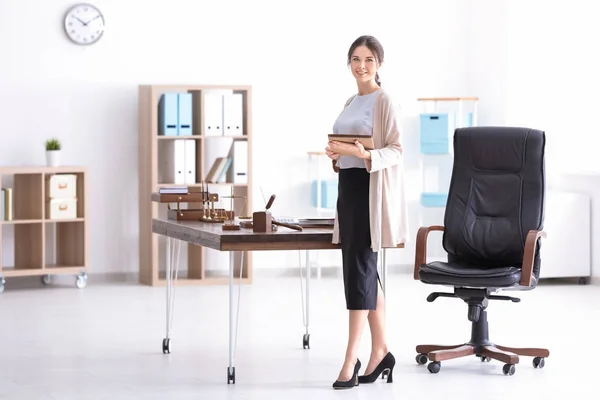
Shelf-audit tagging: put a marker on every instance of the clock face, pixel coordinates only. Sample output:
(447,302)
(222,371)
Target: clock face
(84,24)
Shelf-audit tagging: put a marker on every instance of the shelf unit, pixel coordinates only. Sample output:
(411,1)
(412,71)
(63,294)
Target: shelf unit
(438,119)
(33,244)
(157,158)
(323,184)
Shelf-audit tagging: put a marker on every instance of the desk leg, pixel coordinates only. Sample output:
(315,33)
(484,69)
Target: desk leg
(233,330)
(305,298)
(172,258)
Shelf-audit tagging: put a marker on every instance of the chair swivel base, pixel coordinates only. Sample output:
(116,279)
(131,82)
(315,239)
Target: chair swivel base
(480,346)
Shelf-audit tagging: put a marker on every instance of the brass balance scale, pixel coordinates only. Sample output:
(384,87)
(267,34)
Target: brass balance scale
(208,213)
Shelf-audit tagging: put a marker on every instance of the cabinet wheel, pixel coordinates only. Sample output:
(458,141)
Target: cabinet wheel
(434,367)
(166,346)
(306,341)
(2,282)
(538,362)
(508,369)
(47,279)
(81,281)
(421,359)
(230,375)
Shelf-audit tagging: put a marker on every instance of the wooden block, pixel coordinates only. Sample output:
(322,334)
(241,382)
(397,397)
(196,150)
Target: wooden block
(231,226)
(262,222)
(246,224)
(194,214)
(174,198)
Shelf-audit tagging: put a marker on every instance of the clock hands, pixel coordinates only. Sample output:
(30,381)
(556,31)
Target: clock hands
(96,17)
(87,23)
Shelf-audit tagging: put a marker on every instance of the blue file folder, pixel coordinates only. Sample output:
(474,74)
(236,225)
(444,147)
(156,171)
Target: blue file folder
(329,193)
(185,114)
(436,133)
(168,114)
(431,199)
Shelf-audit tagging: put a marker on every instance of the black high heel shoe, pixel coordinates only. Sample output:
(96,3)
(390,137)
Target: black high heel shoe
(385,366)
(352,382)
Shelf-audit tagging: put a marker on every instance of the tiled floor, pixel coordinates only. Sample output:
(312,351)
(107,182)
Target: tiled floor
(104,342)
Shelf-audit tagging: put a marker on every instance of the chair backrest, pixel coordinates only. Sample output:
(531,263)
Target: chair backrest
(496,195)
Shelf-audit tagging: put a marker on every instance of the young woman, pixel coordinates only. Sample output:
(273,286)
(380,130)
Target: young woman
(371,209)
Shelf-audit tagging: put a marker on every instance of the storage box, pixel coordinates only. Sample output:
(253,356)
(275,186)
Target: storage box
(329,193)
(436,131)
(433,199)
(62,208)
(61,186)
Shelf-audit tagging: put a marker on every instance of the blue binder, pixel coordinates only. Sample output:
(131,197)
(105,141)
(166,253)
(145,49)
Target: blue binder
(435,133)
(185,114)
(168,114)
(329,193)
(432,199)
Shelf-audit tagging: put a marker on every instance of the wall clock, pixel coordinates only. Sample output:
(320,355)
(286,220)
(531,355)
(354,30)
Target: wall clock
(84,24)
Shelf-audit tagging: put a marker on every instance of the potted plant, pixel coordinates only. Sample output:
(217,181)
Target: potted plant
(53,148)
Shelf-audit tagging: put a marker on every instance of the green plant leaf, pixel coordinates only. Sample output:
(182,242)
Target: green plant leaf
(53,144)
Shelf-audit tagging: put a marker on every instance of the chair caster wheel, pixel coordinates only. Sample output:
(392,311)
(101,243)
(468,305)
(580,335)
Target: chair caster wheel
(434,367)
(306,341)
(508,369)
(421,359)
(485,359)
(230,375)
(538,362)
(81,280)
(166,346)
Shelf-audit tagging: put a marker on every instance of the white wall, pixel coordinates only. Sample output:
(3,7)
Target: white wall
(87,96)
(533,64)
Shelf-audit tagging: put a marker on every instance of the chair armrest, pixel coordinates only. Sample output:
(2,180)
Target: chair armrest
(421,248)
(529,255)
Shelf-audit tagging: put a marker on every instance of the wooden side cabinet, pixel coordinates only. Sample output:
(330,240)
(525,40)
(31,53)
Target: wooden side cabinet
(43,214)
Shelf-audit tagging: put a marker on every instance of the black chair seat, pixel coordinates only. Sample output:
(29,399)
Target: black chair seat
(459,274)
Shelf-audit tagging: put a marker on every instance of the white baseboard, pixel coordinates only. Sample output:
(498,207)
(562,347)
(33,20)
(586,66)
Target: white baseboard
(133,277)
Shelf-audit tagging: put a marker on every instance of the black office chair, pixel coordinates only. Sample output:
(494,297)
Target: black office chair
(492,231)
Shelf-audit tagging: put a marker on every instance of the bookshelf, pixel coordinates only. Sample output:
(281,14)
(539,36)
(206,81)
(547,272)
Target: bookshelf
(44,223)
(185,133)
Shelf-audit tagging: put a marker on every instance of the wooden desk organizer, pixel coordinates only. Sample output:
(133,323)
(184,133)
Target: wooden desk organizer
(262,221)
(194,214)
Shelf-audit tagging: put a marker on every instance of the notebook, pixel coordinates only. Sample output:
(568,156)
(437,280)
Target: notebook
(366,141)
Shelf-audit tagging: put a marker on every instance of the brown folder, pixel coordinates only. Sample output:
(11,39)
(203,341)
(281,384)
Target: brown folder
(366,141)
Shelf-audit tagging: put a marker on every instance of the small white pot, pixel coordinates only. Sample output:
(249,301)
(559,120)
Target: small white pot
(53,158)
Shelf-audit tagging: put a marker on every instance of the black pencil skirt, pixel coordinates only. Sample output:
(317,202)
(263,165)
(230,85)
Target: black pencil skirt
(358,259)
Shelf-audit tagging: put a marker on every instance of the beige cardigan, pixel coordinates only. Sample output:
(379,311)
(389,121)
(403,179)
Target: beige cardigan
(387,202)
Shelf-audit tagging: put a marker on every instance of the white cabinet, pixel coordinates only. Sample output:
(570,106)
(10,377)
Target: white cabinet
(566,251)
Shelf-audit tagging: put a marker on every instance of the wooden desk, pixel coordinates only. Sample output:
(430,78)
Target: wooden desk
(212,236)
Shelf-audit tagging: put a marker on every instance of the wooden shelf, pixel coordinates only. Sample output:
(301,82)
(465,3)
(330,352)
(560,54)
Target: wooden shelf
(32,241)
(197,265)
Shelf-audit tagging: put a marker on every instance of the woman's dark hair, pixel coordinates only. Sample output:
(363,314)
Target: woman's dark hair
(372,44)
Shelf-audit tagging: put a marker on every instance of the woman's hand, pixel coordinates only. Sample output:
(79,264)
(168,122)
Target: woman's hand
(331,154)
(349,149)
(362,153)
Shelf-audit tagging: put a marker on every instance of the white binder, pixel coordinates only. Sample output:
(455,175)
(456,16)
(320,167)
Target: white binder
(233,114)
(179,161)
(213,113)
(240,161)
(190,162)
